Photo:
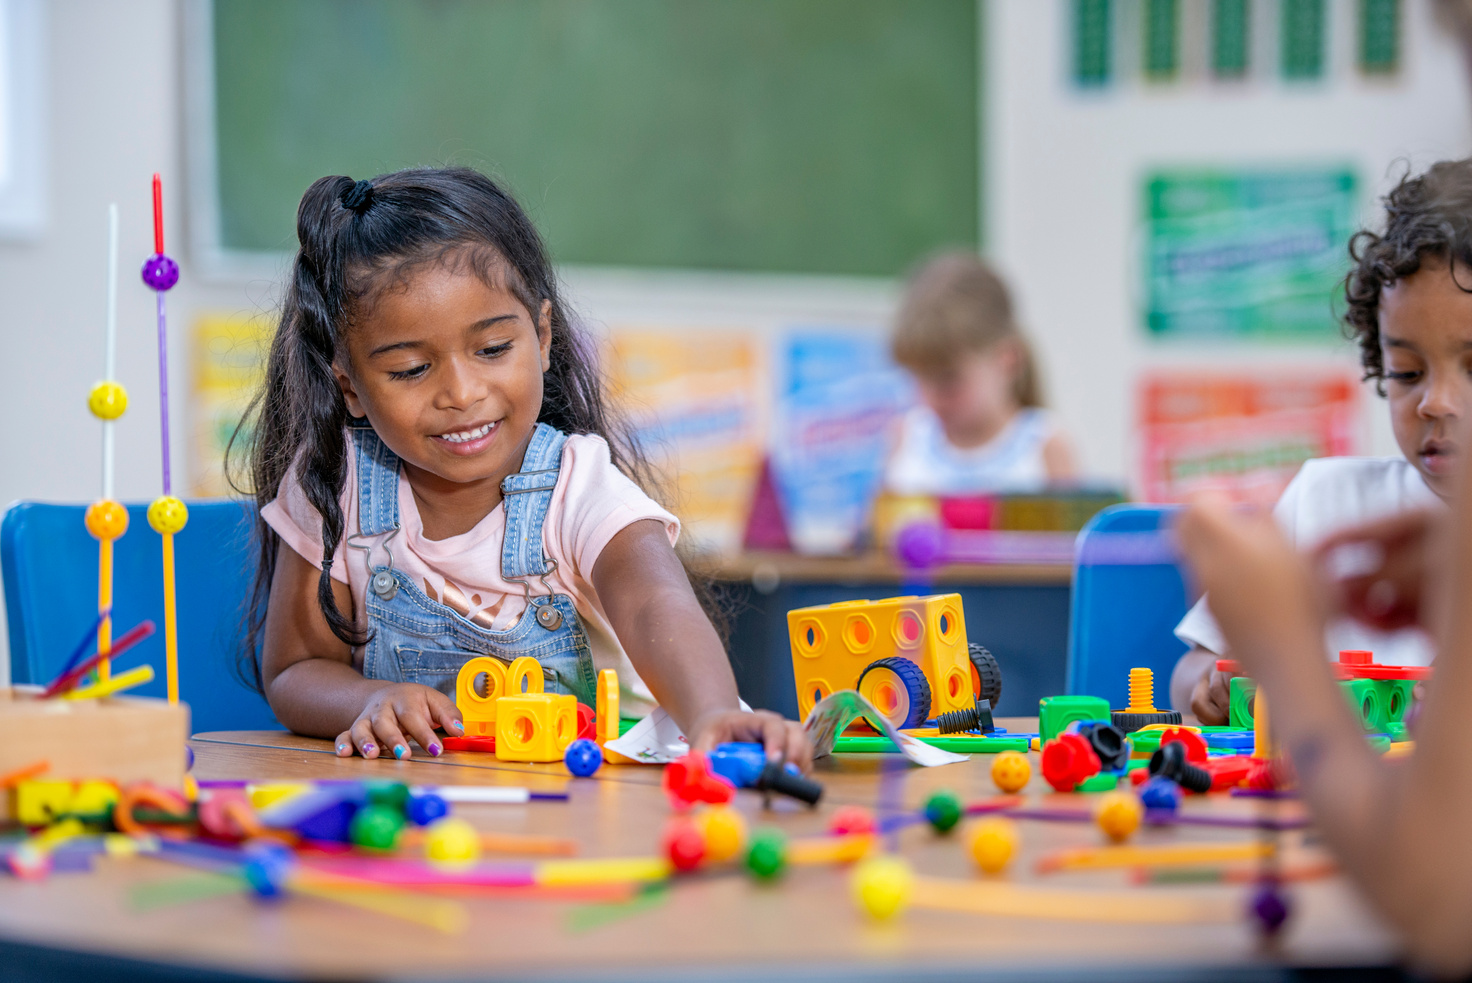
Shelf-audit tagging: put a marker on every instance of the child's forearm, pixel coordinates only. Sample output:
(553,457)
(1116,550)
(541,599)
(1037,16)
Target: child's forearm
(678,654)
(320,697)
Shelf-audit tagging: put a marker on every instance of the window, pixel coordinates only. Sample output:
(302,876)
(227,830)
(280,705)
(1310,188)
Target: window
(1379,36)
(1162,26)
(1091,41)
(1302,28)
(1230,34)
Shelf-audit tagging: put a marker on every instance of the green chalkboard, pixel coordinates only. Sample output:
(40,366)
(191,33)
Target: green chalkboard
(806,136)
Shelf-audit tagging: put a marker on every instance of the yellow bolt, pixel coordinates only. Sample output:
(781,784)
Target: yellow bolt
(1142,691)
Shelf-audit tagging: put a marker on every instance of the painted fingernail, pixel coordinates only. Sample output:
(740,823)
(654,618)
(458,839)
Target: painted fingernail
(457,726)
(368,749)
(400,750)
(434,750)
(342,749)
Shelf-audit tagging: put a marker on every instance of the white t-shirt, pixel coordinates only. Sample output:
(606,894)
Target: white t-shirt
(925,462)
(592,503)
(1327,495)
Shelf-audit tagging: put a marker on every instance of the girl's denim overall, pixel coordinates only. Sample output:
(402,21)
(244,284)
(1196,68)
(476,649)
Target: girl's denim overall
(415,639)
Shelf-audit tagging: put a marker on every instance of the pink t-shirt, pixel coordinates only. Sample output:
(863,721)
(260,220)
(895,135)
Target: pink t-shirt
(592,503)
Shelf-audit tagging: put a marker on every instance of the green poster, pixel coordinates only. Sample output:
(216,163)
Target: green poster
(1251,253)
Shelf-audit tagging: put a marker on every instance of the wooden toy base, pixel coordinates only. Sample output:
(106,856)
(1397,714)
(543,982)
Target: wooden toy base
(124,739)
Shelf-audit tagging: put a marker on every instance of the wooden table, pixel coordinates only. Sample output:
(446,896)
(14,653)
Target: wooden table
(719,926)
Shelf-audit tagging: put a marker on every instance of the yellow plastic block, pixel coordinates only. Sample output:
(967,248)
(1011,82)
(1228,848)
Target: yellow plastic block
(93,798)
(535,726)
(833,644)
(267,794)
(41,802)
(477,710)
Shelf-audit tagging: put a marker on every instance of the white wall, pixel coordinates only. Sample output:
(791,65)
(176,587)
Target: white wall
(1066,169)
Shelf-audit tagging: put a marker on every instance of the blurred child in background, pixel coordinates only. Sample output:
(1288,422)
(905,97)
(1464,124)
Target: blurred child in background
(981,426)
(1409,307)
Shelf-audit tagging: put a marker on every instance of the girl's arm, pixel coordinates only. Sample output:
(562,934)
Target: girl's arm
(646,594)
(1059,458)
(1398,827)
(313,688)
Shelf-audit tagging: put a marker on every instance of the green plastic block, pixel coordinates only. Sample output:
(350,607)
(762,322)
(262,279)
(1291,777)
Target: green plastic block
(1055,713)
(1243,690)
(1104,782)
(1379,743)
(1398,695)
(1368,702)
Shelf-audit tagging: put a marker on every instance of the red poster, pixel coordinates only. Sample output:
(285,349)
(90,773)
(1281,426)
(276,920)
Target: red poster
(1242,434)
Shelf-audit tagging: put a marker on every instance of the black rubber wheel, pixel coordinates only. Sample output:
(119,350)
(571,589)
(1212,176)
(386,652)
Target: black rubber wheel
(986,675)
(911,691)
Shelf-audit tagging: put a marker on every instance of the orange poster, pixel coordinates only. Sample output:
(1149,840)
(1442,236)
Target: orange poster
(1243,434)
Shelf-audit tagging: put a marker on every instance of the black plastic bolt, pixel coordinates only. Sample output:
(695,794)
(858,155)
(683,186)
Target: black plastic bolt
(972,718)
(1171,762)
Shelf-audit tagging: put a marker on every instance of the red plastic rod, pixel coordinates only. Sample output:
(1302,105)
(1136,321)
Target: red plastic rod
(158,216)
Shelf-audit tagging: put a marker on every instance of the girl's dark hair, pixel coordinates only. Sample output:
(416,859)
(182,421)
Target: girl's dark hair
(355,239)
(1428,216)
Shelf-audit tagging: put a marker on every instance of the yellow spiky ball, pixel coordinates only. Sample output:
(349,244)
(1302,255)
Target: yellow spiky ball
(724,830)
(108,400)
(993,841)
(1011,771)
(883,886)
(1118,815)
(167,514)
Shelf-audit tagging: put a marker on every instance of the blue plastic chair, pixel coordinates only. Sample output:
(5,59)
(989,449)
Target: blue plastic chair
(50,567)
(1128,596)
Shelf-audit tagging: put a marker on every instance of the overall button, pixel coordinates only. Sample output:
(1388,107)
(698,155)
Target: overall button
(549,617)
(384,585)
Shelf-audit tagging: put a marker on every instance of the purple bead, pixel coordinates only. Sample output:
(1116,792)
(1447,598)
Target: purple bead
(160,272)
(920,546)
(1269,907)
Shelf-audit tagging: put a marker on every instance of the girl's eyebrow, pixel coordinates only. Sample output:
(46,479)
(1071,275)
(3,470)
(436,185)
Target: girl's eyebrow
(1391,342)
(480,325)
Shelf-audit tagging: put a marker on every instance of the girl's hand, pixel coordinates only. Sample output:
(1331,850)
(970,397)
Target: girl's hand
(1384,573)
(397,710)
(1263,592)
(1211,700)
(784,739)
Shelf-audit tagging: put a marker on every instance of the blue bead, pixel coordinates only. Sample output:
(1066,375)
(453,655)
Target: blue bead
(160,272)
(425,808)
(267,870)
(583,757)
(1160,793)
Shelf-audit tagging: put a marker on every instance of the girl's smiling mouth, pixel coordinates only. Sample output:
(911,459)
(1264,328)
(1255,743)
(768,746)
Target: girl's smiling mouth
(470,440)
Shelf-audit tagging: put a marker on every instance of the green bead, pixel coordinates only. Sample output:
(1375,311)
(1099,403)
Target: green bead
(768,854)
(943,811)
(376,827)
(395,795)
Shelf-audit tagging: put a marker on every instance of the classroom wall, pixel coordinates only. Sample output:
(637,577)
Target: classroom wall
(1066,168)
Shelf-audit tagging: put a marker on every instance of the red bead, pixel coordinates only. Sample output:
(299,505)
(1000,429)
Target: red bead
(684,844)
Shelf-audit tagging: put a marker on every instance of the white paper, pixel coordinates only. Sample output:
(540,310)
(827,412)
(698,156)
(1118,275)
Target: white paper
(655,740)
(833,715)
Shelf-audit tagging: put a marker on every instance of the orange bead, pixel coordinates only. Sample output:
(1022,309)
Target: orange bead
(107,519)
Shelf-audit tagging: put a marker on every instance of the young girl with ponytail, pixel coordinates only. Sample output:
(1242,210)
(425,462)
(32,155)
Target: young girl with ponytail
(439,478)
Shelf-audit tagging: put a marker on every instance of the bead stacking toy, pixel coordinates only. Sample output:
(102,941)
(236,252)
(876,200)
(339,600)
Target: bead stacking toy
(106,518)
(166,514)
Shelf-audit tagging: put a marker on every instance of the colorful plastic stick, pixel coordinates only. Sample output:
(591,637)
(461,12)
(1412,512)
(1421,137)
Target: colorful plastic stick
(116,684)
(106,518)
(87,639)
(1183,854)
(167,514)
(71,678)
(1025,901)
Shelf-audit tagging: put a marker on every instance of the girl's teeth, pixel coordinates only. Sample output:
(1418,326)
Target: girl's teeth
(464,435)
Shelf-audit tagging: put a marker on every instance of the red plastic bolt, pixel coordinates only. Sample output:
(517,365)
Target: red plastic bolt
(1067,760)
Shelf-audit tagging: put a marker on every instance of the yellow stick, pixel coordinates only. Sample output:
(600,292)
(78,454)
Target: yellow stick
(829,850)
(171,624)
(1093,858)
(449,917)
(1262,738)
(603,871)
(104,602)
(118,683)
(1020,901)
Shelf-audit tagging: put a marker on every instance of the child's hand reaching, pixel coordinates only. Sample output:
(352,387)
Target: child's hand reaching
(784,739)
(1385,573)
(1211,699)
(396,713)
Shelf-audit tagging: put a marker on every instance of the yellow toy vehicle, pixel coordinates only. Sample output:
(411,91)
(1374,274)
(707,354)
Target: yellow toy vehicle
(906,655)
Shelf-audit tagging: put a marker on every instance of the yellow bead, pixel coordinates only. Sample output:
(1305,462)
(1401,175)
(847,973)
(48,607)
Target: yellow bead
(108,400)
(167,514)
(452,842)
(1011,771)
(106,519)
(724,830)
(993,841)
(1118,815)
(883,886)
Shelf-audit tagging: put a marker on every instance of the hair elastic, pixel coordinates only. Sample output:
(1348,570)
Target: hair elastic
(359,197)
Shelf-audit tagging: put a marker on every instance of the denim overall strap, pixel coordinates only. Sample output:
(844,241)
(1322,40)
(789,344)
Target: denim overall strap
(527,496)
(378,484)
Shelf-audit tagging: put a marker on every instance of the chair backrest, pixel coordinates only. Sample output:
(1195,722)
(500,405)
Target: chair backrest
(1128,596)
(50,568)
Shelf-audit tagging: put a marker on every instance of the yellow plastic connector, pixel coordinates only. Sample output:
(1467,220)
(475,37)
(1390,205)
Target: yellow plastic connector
(476,700)
(535,726)
(1142,691)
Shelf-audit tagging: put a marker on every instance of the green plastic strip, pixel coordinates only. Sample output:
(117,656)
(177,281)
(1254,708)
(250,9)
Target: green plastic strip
(960,745)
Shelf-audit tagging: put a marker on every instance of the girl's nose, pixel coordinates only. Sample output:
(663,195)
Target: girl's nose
(1446,396)
(460,388)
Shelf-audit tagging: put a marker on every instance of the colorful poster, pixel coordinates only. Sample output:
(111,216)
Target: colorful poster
(229,365)
(838,396)
(1256,253)
(695,398)
(1245,435)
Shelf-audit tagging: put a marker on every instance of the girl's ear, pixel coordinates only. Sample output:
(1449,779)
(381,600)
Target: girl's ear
(544,335)
(349,393)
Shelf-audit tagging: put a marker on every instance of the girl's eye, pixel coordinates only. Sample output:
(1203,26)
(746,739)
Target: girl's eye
(495,351)
(1408,376)
(413,373)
